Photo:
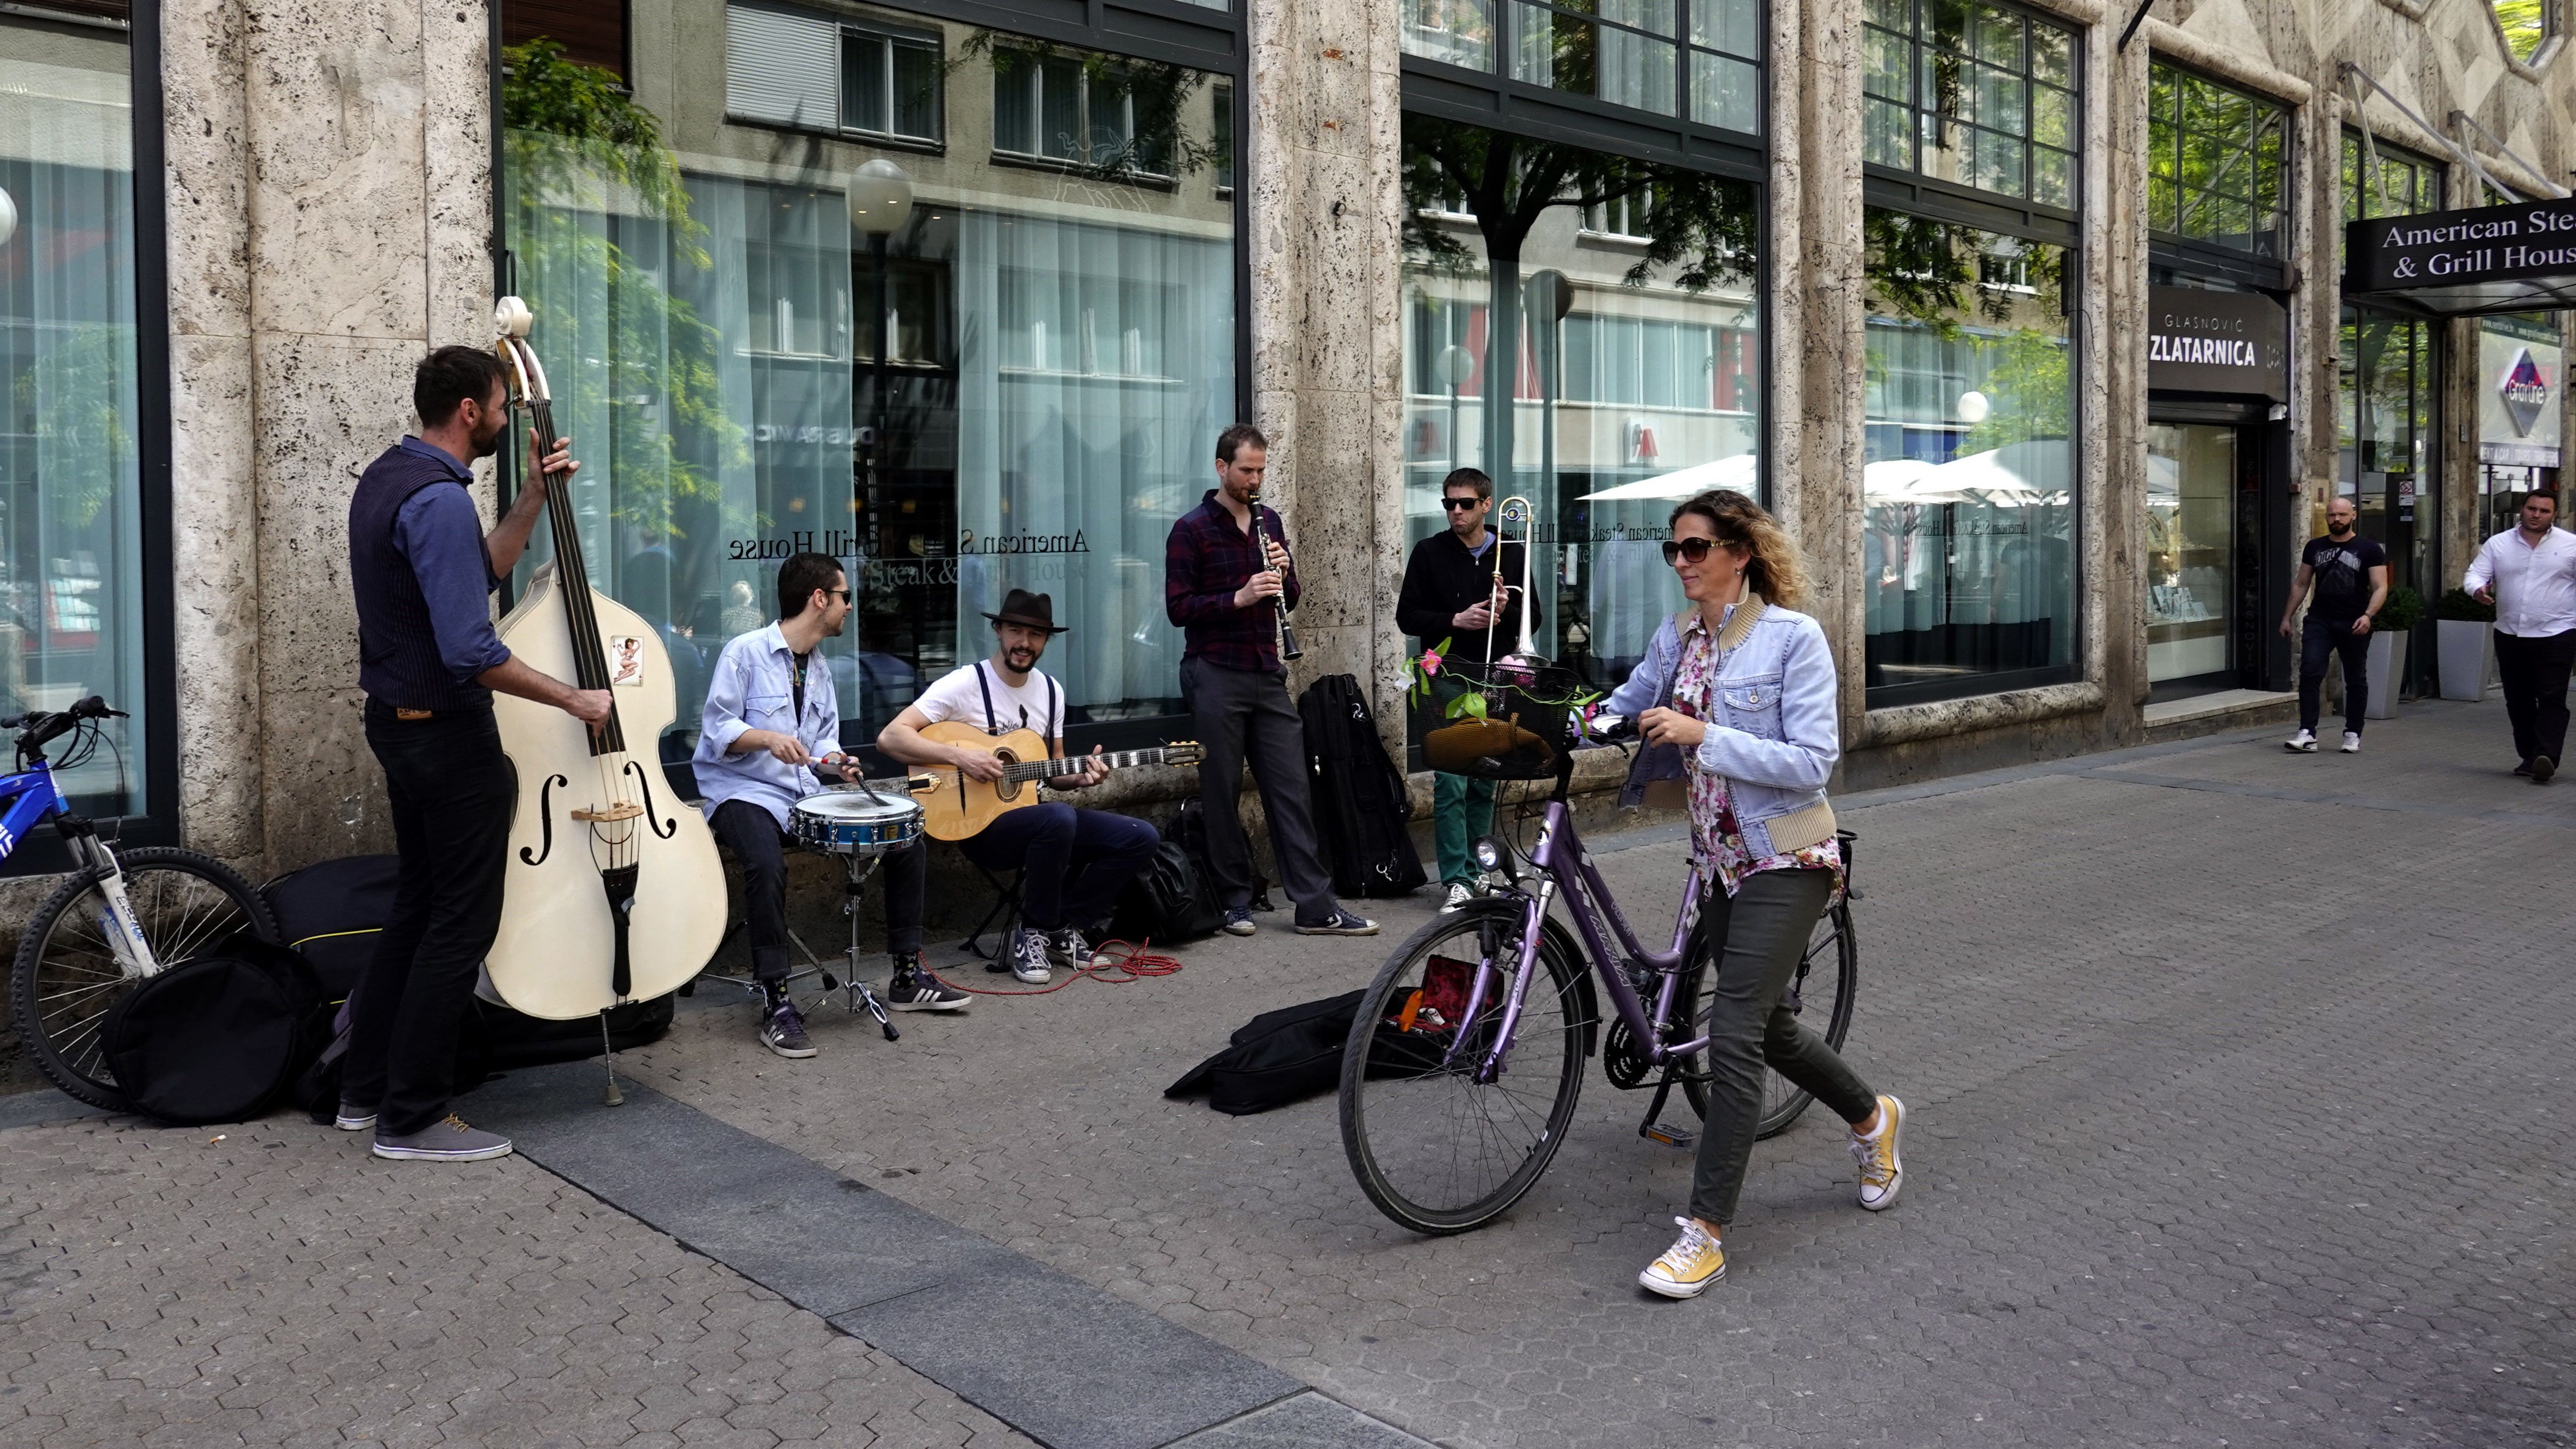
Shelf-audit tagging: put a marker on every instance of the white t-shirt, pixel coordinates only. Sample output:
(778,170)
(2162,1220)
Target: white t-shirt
(1037,704)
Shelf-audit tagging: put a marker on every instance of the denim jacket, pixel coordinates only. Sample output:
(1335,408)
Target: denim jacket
(1777,730)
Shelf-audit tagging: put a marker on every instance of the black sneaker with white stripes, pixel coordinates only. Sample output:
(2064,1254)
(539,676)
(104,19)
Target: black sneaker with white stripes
(914,989)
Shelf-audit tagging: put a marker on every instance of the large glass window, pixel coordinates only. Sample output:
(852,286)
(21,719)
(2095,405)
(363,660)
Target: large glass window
(1981,95)
(71,527)
(2217,163)
(1584,329)
(2192,487)
(1019,386)
(1969,480)
(2525,24)
(1646,54)
(2386,382)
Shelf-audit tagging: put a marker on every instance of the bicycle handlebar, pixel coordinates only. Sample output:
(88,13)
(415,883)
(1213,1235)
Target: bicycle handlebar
(38,728)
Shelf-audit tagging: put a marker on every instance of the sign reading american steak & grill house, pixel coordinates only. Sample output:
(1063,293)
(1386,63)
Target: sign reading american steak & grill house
(2519,257)
(2229,342)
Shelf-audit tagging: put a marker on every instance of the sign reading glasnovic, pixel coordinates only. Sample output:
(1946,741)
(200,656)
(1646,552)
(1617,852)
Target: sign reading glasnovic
(2201,341)
(2489,259)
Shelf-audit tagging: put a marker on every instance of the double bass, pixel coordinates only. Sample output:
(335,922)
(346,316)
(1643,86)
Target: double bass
(613,891)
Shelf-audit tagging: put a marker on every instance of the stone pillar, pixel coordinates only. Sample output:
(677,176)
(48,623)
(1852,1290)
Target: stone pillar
(365,132)
(1327,338)
(2111,409)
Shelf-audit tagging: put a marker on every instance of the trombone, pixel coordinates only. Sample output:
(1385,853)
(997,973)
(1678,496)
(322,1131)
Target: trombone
(1525,660)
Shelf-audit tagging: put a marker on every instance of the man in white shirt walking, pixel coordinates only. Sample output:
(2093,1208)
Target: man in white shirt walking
(2529,574)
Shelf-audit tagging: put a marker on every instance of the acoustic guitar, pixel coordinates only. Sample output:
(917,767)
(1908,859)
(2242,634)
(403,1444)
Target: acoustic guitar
(957,805)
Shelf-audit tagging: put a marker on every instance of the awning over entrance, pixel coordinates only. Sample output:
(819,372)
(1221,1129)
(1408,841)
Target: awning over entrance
(2474,263)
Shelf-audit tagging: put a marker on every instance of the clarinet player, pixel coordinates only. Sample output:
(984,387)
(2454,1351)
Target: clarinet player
(1224,592)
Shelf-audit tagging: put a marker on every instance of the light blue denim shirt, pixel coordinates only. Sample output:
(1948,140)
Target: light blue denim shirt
(755,689)
(1776,728)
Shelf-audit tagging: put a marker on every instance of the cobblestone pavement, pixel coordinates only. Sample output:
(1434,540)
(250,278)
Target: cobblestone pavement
(280,1287)
(2237,1081)
(2236,1077)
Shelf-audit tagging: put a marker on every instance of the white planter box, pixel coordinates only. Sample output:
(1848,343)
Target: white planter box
(2468,647)
(2387,673)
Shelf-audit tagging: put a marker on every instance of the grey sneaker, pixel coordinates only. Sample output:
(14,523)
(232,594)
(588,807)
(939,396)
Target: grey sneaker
(914,989)
(1029,957)
(1068,947)
(2351,742)
(1238,920)
(353,1119)
(1339,923)
(446,1140)
(1460,893)
(782,1029)
(2542,769)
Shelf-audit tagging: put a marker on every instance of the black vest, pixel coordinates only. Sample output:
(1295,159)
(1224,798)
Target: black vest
(398,661)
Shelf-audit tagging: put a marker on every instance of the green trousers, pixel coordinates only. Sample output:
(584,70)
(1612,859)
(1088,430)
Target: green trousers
(1462,807)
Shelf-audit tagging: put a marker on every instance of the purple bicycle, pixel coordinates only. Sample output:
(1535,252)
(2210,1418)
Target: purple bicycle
(1464,1065)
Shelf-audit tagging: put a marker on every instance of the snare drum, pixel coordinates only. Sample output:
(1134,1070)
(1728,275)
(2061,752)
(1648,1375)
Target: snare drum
(855,822)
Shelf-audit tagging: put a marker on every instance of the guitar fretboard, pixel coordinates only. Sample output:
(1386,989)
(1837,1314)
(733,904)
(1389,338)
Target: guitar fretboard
(1072,764)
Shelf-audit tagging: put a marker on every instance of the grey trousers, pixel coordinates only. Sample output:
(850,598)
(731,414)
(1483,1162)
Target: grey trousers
(1756,939)
(1243,716)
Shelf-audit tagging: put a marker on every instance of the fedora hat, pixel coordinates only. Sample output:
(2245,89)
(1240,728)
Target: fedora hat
(1034,611)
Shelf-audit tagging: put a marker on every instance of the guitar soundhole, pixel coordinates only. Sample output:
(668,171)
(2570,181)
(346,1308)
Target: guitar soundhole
(1006,787)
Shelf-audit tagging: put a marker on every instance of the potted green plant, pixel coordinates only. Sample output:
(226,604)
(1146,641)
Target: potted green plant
(2398,616)
(2464,641)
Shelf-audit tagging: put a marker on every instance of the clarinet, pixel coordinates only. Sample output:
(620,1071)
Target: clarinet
(1286,637)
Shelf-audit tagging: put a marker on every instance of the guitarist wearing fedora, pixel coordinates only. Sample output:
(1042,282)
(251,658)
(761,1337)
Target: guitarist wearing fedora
(1045,841)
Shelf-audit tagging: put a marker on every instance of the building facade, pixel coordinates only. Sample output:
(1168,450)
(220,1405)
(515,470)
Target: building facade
(2024,315)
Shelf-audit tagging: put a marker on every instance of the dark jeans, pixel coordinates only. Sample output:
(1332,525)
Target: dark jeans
(450,791)
(2319,640)
(2533,672)
(1045,840)
(752,834)
(1756,939)
(1244,716)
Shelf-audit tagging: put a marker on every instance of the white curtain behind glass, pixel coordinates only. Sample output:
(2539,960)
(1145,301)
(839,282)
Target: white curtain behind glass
(1097,367)
(70,530)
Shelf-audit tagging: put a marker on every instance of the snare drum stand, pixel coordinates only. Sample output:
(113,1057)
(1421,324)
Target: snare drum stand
(857,994)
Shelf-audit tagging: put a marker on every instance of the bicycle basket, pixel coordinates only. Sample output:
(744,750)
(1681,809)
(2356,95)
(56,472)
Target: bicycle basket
(1524,730)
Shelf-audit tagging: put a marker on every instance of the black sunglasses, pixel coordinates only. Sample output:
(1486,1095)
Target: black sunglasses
(841,594)
(1454,504)
(1694,549)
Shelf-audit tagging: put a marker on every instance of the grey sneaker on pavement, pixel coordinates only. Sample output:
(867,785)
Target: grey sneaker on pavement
(1028,957)
(1460,893)
(914,989)
(446,1140)
(1238,921)
(782,1029)
(1069,948)
(353,1119)
(1339,923)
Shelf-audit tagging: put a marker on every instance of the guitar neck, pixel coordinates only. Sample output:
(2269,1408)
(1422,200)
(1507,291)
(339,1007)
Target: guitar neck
(1073,764)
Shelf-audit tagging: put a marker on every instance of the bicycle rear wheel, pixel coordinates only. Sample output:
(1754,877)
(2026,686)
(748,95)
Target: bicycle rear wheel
(67,978)
(1437,1151)
(1820,993)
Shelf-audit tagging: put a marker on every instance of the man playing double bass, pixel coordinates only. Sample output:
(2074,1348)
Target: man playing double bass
(423,571)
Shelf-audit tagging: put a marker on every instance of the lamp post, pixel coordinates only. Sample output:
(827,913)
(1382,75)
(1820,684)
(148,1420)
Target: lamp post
(880,203)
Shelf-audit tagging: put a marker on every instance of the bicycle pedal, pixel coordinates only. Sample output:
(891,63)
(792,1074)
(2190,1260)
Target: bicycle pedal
(1669,1136)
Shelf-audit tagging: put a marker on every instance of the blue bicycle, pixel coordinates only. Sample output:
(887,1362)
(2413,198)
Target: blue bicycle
(118,918)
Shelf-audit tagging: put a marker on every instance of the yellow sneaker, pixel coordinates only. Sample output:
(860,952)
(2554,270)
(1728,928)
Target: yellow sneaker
(1881,1156)
(1688,1266)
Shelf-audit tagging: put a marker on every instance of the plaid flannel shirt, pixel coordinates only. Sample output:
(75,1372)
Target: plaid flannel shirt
(1205,560)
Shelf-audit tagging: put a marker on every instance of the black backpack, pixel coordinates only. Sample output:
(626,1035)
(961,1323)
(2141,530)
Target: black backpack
(1360,802)
(217,1038)
(1172,899)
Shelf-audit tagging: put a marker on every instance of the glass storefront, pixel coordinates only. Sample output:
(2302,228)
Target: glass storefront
(1699,59)
(2191,551)
(2387,380)
(71,527)
(1018,385)
(2521,369)
(2217,163)
(1617,314)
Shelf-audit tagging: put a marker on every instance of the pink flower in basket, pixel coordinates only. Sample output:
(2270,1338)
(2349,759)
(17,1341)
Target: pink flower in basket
(1430,661)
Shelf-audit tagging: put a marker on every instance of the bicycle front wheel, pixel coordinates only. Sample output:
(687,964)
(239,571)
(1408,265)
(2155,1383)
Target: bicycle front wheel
(67,977)
(1435,1149)
(1820,995)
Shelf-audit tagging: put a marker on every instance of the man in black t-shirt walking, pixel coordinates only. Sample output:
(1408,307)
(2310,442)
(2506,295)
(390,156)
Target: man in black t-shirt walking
(2350,573)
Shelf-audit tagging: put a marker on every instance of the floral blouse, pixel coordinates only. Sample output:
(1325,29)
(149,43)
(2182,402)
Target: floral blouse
(1717,842)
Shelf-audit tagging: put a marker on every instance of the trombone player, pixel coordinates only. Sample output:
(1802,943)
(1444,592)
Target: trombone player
(1226,594)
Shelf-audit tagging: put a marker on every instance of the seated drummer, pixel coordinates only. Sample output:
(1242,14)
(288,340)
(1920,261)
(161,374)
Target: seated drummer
(771,720)
(998,695)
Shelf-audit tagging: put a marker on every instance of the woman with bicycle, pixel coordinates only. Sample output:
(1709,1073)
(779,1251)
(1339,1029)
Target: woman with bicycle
(1736,699)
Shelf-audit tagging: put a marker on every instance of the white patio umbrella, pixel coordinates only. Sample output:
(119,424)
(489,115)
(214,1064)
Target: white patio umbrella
(1738,473)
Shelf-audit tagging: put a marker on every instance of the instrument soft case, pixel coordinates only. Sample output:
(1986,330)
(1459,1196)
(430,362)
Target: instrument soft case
(1359,799)
(216,1038)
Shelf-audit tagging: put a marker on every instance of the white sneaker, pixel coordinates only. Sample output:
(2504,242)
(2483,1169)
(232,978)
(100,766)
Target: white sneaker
(2305,742)
(1460,893)
(2351,742)
(1881,1156)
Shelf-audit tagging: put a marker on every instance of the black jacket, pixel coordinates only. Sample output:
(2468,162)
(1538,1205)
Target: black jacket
(1442,578)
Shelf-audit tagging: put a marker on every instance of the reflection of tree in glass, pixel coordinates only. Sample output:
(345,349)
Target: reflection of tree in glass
(2525,24)
(570,135)
(1922,270)
(1155,142)
(78,393)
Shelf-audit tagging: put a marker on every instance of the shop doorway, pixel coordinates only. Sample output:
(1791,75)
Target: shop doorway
(2200,480)
(2386,423)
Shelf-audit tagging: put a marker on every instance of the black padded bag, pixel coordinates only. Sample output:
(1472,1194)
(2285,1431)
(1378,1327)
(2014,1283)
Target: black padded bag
(1276,1058)
(332,911)
(1359,799)
(1167,902)
(216,1038)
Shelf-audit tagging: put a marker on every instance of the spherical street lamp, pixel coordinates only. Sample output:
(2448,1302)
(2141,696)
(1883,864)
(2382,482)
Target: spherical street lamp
(880,197)
(8,218)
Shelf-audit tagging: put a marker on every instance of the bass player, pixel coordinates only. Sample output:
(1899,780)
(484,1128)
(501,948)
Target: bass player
(772,721)
(1005,693)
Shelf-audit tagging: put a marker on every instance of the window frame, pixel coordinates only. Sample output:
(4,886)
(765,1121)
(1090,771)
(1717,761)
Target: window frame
(1911,190)
(889,37)
(159,823)
(2179,253)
